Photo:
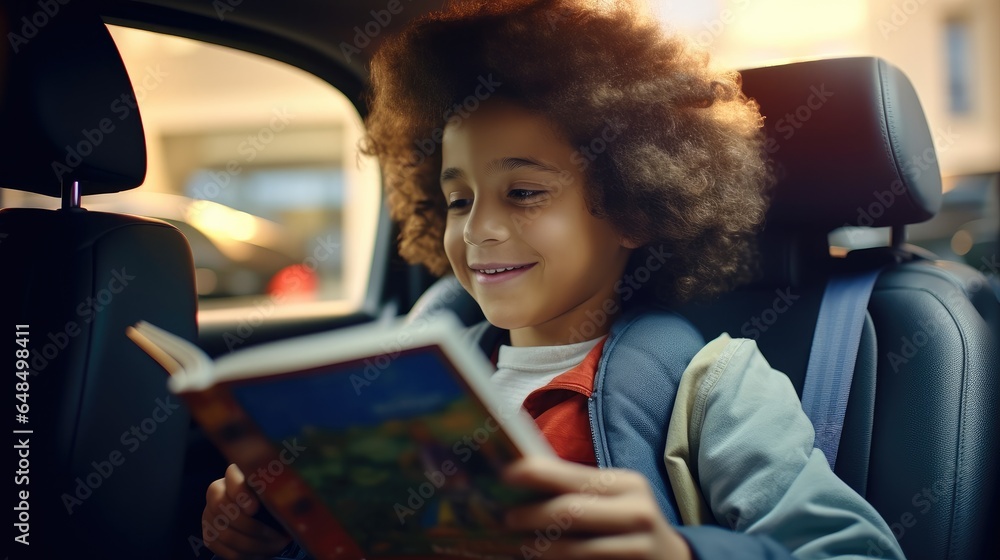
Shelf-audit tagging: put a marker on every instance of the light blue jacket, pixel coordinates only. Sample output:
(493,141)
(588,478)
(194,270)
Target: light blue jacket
(771,493)
(759,472)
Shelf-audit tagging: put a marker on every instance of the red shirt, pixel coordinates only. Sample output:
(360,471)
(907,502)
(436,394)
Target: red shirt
(560,409)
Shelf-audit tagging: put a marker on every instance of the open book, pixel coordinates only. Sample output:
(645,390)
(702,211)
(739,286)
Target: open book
(378,441)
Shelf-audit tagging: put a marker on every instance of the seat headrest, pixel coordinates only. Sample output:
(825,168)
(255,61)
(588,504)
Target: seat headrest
(68,111)
(849,142)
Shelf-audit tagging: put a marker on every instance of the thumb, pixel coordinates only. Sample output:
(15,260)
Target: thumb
(239,492)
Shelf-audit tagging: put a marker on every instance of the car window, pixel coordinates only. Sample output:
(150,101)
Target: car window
(256,162)
(949,52)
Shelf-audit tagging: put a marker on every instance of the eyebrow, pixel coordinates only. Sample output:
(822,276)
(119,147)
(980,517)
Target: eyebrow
(503,164)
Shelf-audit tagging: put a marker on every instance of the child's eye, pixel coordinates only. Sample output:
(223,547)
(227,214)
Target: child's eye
(525,195)
(457,203)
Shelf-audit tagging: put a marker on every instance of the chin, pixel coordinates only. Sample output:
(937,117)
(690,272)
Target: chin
(504,320)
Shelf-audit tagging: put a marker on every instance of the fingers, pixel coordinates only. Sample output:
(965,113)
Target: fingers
(223,511)
(556,476)
(228,528)
(238,491)
(589,514)
(594,513)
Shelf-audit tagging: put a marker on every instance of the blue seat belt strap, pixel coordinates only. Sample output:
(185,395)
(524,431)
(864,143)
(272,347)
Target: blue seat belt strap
(833,355)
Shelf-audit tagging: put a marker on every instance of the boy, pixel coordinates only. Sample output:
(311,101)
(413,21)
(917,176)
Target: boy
(577,146)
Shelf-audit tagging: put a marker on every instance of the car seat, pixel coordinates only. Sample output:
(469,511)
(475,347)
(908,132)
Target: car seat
(850,147)
(103,442)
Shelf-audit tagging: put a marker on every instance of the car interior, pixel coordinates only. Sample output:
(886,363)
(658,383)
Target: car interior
(118,467)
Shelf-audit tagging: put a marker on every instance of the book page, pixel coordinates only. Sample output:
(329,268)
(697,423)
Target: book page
(175,354)
(398,450)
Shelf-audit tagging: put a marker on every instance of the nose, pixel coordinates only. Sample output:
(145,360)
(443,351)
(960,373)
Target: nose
(486,224)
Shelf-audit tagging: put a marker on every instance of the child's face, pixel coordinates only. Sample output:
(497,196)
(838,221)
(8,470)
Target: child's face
(516,199)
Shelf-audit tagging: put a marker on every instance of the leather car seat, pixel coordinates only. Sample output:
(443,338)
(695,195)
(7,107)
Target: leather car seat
(106,442)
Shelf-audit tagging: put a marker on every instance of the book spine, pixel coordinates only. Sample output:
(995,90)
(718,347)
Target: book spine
(277,483)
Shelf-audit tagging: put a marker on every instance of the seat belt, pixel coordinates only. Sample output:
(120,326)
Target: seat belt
(833,355)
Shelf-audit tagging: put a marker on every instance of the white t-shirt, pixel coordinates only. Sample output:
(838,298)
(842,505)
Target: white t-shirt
(522,369)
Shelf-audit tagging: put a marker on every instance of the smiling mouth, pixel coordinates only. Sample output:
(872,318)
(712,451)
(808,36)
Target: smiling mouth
(499,274)
(490,271)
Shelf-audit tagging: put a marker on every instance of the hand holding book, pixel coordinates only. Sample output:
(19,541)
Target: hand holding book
(373,442)
(231,517)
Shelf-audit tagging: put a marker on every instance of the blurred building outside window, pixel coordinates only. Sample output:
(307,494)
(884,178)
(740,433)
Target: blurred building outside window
(256,163)
(949,49)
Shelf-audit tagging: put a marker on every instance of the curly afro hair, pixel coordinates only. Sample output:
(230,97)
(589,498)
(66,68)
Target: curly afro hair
(687,173)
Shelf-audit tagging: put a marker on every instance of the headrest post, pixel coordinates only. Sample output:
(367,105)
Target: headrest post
(71,195)
(897,237)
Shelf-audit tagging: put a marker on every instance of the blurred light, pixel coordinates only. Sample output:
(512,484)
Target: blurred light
(218,221)
(794,22)
(295,282)
(205,280)
(236,251)
(961,242)
(687,15)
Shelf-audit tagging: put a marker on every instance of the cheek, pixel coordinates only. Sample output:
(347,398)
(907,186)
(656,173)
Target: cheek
(554,232)
(581,245)
(453,244)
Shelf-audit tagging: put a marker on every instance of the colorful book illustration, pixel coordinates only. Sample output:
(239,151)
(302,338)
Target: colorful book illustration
(378,441)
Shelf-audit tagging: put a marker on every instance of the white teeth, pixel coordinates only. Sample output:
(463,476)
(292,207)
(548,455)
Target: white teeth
(496,270)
